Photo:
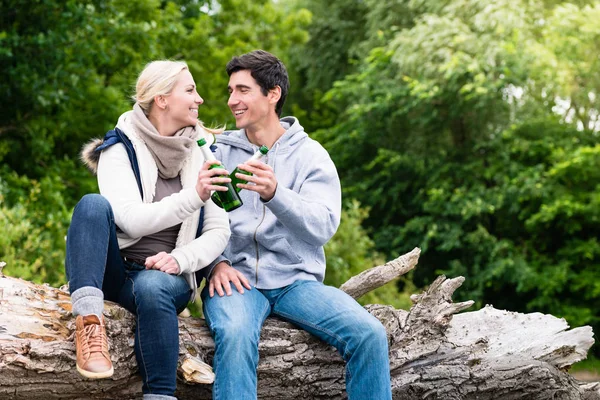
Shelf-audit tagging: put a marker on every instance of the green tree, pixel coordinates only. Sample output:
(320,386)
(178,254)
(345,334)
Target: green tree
(67,77)
(352,251)
(336,28)
(33,221)
(469,120)
(563,73)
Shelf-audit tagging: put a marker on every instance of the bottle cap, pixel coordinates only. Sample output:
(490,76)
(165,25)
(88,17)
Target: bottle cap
(263,149)
(201,142)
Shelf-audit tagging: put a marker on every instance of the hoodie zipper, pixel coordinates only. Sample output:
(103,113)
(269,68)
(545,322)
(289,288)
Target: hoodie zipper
(263,216)
(256,243)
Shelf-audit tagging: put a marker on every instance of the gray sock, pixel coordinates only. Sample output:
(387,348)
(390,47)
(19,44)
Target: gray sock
(158,397)
(88,300)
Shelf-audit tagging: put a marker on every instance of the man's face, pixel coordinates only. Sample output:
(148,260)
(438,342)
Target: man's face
(250,107)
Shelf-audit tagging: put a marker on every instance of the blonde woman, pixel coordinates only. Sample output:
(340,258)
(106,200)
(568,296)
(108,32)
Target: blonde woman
(138,242)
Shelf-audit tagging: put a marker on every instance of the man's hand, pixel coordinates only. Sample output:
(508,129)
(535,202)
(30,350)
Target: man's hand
(262,181)
(222,277)
(163,262)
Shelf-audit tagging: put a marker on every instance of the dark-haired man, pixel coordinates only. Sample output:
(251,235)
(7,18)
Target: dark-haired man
(275,259)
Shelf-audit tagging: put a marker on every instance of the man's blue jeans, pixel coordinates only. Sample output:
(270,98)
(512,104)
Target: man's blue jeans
(154,297)
(326,312)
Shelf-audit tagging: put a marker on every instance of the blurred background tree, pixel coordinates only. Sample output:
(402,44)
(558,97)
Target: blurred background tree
(469,128)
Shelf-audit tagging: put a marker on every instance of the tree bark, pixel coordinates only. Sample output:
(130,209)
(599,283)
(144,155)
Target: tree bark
(435,352)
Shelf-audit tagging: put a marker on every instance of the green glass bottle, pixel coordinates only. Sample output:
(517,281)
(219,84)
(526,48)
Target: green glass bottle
(260,153)
(229,200)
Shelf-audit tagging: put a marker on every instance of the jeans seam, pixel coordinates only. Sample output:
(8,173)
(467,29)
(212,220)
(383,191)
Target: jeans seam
(212,333)
(216,388)
(207,318)
(137,328)
(265,309)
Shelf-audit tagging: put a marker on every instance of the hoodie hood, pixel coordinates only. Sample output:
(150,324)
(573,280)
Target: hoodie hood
(294,134)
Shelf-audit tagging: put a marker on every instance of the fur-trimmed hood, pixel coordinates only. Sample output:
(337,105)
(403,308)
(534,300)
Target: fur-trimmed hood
(90,152)
(89,156)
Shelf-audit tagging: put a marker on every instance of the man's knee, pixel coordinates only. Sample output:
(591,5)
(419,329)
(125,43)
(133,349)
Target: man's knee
(232,332)
(378,332)
(230,320)
(371,333)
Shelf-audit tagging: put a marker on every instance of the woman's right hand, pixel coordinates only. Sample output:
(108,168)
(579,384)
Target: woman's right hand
(209,179)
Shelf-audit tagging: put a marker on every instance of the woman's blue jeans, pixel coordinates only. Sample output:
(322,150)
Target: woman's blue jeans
(154,297)
(326,312)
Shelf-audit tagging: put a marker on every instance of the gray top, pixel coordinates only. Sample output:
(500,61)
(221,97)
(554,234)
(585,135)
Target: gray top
(278,242)
(160,241)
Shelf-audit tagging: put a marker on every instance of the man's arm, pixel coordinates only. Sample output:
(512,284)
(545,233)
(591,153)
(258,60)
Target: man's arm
(313,213)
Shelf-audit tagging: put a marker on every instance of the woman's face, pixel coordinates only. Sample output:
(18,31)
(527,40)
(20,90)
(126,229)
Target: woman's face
(183,102)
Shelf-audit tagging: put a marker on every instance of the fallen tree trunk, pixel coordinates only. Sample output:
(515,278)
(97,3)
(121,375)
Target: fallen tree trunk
(435,353)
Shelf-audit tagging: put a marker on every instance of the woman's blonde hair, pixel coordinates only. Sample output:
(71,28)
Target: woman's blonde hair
(158,78)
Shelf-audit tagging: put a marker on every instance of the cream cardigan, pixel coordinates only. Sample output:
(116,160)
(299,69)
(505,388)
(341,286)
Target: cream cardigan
(138,217)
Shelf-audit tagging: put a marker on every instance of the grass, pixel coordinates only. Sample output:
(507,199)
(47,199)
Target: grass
(588,369)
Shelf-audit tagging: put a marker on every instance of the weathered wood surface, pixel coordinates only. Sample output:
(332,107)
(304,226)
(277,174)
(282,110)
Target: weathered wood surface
(435,353)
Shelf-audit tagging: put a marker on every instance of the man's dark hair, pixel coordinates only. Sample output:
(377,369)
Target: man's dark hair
(266,69)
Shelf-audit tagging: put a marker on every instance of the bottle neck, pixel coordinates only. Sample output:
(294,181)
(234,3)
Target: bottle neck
(257,156)
(208,154)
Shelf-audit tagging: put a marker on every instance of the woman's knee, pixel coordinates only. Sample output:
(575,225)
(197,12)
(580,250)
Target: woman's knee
(92,207)
(155,289)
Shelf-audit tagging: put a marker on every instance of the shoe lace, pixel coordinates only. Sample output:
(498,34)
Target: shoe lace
(95,338)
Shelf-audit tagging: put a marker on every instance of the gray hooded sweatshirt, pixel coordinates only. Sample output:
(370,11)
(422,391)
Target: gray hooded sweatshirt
(278,242)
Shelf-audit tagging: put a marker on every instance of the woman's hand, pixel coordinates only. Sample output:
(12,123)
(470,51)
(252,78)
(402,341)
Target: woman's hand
(163,262)
(209,179)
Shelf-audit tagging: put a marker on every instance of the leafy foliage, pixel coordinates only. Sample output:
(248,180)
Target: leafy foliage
(67,77)
(468,131)
(34,220)
(351,251)
(468,128)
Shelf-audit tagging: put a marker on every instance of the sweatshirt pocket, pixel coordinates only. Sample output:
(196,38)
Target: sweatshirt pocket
(241,250)
(284,252)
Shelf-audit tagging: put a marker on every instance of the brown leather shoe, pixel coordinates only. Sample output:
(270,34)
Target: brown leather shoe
(93,360)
